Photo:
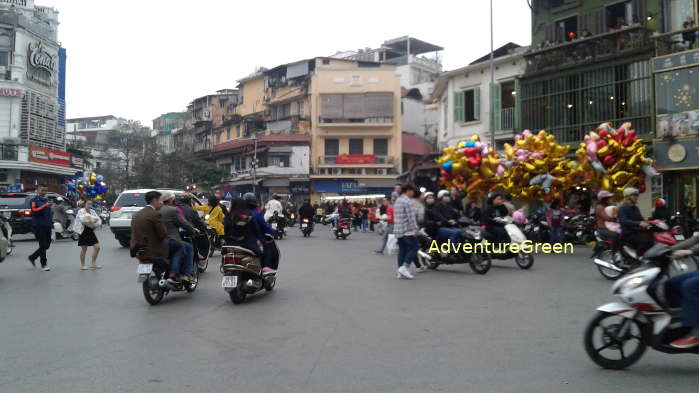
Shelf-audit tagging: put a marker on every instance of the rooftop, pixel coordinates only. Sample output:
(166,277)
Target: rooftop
(417,46)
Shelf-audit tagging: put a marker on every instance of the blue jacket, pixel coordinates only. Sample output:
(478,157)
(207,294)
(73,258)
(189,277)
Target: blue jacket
(42,216)
(260,219)
(630,218)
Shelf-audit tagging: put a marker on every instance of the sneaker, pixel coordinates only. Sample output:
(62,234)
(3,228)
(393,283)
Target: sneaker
(421,269)
(33,262)
(45,268)
(83,267)
(95,267)
(399,276)
(405,272)
(686,342)
(268,270)
(186,278)
(378,251)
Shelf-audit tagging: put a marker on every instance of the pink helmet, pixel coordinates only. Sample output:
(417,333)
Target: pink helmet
(604,194)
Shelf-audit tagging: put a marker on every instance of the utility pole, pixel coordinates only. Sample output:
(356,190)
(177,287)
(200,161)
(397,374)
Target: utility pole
(492,80)
(254,164)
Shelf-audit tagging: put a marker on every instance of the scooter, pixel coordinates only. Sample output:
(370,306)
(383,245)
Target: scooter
(278,223)
(480,262)
(537,228)
(523,259)
(613,261)
(620,332)
(343,228)
(152,273)
(306,227)
(67,232)
(242,272)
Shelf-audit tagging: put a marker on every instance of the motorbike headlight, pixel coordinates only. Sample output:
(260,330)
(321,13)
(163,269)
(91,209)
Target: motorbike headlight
(631,283)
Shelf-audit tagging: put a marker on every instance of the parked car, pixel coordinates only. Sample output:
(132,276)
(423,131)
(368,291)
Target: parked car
(16,208)
(126,205)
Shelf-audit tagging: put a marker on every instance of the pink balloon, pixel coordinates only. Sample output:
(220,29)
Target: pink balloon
(501,171)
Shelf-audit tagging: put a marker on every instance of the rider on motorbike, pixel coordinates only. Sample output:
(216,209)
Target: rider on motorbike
(306,211)
(495,219)
(274,205)
(684,290)
(631,220)
(248,234)
(269,264)
(603,201)
(661,211)
(173,222)
(441,217)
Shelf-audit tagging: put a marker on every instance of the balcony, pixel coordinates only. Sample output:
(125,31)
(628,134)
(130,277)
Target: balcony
(364,160)
(602,47)
(673,42)
(507,119)
(372,122)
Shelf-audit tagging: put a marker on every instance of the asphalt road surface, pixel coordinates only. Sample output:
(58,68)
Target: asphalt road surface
(338,321)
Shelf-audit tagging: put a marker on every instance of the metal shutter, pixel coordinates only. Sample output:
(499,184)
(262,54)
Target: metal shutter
(331,106)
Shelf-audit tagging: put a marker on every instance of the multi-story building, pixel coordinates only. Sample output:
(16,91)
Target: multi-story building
(676,75)
(98,135)
(590,63)
(337,119)
(163,127)
(32,100)
(208,114)
(467,105)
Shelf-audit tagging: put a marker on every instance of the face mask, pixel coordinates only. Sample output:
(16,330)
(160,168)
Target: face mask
(446,199)
(430,201)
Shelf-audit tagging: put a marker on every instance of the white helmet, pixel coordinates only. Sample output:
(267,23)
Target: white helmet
(442,194)
(59,199)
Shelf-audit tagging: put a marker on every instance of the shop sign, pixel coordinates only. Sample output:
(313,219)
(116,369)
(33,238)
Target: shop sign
(11,92)
(676,152)
(674,61)
(355,159)
(679,154)
(51,157)
(42,65)
(77,162)
(300,187)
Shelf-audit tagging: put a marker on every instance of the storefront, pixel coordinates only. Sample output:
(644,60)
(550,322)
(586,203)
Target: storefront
(678,161)
(355,188)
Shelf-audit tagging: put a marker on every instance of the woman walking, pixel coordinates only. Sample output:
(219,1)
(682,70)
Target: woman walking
(85,224)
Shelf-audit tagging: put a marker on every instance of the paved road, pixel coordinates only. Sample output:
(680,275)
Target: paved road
(338,322)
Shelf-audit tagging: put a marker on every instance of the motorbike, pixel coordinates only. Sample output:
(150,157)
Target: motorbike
(6,244)
(278,223)
(242,272)
(292,219)
(523,259)
(152,273)
(306,227)
(67,232)
(613,260)
(343,228)
(579,228)
(620,332)
(201,243)
(480,262)
(537,228)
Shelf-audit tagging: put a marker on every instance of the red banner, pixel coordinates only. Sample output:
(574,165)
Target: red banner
(355,159)
(51,157)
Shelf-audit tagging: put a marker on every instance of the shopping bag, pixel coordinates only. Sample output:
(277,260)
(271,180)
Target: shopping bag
(391,244)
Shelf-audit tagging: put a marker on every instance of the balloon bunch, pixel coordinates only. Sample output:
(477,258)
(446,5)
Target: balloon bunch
(617,158)
(86,186)
(538,167)
(471,162)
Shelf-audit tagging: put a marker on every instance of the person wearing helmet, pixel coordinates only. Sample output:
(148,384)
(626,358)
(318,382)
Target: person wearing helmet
(306,211)
(59,213)
(604,199)
(633,229)
(440,218)
(661,211)
(274,205)
(270,263)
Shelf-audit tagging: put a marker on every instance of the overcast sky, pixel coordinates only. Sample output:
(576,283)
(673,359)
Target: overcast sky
(141,58)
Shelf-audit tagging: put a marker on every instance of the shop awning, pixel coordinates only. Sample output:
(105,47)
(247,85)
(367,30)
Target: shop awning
(39,168)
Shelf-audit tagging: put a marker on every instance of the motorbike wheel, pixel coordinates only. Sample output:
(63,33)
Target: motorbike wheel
(212,244)
(75,236)
(238,295)
(432,265)
(152,292)
(480,263)
(524,261)
(608,335)
(193,286)
(124,242)
(609,274)
(269,285)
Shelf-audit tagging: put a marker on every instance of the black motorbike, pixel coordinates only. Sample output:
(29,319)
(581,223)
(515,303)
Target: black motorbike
(278,223)
(152,273)
(472,234)
(242,272)
(202,245)
(579,229)
(306,227)
(537,228)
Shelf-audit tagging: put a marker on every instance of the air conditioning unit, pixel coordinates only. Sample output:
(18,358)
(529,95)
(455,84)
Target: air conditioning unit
(337,171)
(382,171)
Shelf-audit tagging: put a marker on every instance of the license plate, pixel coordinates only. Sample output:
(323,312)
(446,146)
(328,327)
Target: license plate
(229,281)
(304,225)
(679,237)
(345,231)
(7,214)
(274,225)
(145,268)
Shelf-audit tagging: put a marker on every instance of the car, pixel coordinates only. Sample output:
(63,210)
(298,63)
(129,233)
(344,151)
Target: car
(126,205)
(16,208)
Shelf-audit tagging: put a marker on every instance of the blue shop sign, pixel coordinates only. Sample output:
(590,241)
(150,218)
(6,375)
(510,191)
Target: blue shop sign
(346,186)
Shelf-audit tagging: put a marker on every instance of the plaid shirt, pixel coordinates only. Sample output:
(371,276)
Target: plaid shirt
(405,216)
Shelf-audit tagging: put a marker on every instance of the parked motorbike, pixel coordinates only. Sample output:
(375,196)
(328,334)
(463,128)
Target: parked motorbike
(537,228)
(525,260)
(643,317)
(480,262)
(242,272)
(613,260)
(278,223)
(579,229)
(343,228)
(306,227)
(67,232)
(152,273)
(6,244)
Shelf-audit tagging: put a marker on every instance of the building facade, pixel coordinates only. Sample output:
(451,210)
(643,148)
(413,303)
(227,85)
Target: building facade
(32,99)
(164,125)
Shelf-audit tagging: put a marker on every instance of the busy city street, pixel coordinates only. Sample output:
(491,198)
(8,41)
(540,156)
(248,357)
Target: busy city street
(338,321)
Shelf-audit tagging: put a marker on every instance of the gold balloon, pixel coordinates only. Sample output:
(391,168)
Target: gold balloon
(461,145)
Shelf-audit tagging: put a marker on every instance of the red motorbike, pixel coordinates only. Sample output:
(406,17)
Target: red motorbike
(343,228)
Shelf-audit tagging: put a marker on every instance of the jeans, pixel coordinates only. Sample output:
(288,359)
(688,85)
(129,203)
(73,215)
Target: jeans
(556,234)
(384,238)
(365,224)
(683,290)
(176,256)
(188,259)
(407,250)
(452,234)
(43,235)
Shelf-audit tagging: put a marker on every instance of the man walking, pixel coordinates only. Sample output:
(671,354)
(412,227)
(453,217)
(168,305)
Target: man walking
(405,229)
(42,222)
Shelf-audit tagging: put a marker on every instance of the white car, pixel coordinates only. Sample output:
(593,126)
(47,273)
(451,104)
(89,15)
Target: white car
(127,204)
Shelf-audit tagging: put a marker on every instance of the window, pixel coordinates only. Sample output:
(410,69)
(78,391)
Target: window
(680,12)
(445,110)
(619,15)
(332,147)
(4,58)
(356,146)
(357,108)
(381,147)
(281,160)
(228,134)
(567,29)
(326,61)
(467,105)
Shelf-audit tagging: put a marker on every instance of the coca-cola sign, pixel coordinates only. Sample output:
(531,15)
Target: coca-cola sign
(40,58)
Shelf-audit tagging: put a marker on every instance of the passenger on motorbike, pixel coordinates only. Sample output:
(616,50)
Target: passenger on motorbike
(604,199)
(495,219)
(184,205)
(269,263)
(173,223)
(634,230)
(661,211)
(241,228)
(215,212)
(441,218)
(274,205)
(684,290)
(473,212)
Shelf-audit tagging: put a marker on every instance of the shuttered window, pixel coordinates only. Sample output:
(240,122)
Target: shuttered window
(356,146)
(467,105)
(459,107)
(381,147)
(353,106)
(368,108)
(332,147)
(331,106)
(379,105)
